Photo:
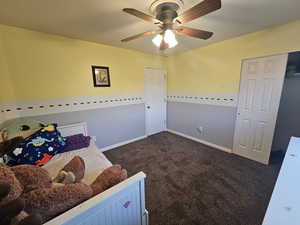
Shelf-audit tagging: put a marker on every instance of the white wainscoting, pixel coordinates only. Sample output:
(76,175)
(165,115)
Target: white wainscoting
(208,99)
(10,110)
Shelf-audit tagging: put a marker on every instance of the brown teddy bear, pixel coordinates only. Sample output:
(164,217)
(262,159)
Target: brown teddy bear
(9,145)
(50,202)
(108,178)
(11,206)
(41,198)
(32,177)
(33,186)
(7,176)
(72,173)
(12,212)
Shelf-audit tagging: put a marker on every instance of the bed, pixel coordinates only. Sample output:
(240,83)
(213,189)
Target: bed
(123,204)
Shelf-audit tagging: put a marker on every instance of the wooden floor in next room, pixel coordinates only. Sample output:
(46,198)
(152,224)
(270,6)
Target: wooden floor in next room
(192,184)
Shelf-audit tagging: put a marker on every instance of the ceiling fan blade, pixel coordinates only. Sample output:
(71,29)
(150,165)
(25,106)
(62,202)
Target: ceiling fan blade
(142,15)
(202,34)
(141,35)
(203,8)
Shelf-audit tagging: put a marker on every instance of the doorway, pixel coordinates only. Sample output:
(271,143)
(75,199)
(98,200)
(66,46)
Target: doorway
(155,100)
(260,92)
(288,120)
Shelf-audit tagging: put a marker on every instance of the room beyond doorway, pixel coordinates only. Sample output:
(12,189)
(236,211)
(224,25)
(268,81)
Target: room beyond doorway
(288,119)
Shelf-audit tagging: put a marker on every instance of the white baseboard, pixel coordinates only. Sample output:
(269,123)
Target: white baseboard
(201,141)
(121,143)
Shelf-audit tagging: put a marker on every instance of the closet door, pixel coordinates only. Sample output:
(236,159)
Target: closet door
(155,100)
(260,92)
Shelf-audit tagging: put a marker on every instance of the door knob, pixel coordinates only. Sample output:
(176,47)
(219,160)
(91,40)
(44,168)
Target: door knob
(148,107)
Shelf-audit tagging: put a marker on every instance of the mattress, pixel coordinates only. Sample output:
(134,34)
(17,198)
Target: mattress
(95,162)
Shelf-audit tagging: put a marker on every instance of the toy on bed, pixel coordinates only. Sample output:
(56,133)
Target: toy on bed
(11,206)
(6,147)
(73,172)
(19,127)
(47,199)
(41,196)
(108,178)
(12,212)
(33,185)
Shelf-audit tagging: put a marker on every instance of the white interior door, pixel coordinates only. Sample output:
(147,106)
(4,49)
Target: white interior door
(260,92)
(155,100)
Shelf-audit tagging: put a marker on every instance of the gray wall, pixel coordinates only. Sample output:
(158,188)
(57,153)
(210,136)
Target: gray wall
(218,121)
(288,120)
(110,125)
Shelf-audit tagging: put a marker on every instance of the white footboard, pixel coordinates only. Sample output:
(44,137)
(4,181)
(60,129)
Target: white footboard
(123,204)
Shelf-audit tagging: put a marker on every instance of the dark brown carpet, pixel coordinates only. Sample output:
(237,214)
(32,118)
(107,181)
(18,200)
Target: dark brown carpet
(188,183)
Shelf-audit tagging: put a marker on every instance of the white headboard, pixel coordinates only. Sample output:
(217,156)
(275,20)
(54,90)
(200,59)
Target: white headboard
(72,129)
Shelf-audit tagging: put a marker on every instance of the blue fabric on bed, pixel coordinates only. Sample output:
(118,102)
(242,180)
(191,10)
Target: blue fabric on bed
(38,148)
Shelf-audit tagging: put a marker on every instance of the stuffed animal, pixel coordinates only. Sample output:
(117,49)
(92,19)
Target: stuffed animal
(50,202)
(9,145)
(32,177)
(20,127)
(73,172)
(108,178)
(40,197)
(11,206)
(7,176)
(33,186)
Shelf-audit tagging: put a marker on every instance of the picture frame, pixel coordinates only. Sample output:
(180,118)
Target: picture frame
(101,76)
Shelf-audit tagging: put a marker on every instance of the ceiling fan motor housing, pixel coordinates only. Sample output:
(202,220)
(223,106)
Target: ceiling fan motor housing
(166,10)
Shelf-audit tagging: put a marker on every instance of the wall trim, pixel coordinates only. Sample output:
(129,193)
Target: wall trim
(2,115)
(10,110)
(230,100)
(122,143)
(224,149)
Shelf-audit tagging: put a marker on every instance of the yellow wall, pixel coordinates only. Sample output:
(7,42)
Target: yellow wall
(36,65)
(216,68)
(6,86)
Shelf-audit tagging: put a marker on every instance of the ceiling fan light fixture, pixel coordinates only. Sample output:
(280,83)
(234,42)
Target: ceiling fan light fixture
(157,40)
(166,17)
(170,38)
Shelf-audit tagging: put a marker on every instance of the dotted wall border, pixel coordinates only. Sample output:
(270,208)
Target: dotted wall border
(214,99)
(18,109)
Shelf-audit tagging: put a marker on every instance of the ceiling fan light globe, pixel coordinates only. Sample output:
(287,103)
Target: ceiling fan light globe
(170,38)
(173,44)
(157,40)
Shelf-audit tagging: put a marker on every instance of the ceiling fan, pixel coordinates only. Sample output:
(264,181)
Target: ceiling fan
(168,21)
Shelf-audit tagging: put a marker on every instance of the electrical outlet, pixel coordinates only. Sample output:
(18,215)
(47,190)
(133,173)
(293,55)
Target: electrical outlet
(94,138)
(200,130)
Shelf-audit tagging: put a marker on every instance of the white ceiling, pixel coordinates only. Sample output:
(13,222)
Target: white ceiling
(104,22)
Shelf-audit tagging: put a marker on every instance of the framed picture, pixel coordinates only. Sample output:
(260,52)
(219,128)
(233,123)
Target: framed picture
(101,76)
